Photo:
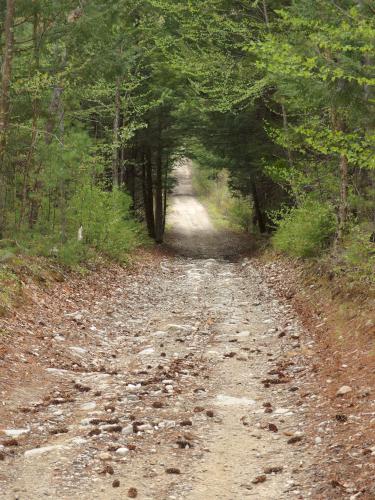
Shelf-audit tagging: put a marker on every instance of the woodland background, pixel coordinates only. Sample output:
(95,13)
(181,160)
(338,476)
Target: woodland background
(272,99)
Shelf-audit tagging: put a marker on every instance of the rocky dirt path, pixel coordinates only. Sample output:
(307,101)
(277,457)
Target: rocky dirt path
(184,383)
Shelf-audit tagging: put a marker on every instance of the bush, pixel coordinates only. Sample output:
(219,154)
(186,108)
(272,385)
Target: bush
(107,228)
(359,253)
(305,231)
(240,213)
(107,225)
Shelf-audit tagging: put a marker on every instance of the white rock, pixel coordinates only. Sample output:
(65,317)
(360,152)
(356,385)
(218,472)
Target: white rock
(159,334)
(16,432)
(283,411)
(88,406)
(147,352)
(36,452)
(243,334)
(144,427)
(345,389)
(122,451)
(78,350)
(127,430)
(318,440)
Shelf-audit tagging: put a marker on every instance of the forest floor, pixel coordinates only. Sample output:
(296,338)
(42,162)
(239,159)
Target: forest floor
(200,373)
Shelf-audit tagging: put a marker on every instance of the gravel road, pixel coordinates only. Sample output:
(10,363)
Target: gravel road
(183,385)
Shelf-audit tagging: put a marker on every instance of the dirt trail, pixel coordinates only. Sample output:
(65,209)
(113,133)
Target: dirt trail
(184,384)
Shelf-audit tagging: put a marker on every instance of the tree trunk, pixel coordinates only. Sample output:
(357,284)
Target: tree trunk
(265,13)
(285,125)
(148,194)
(259,218)
(165,201)
(6,75)
(4,104)
(116,130)
(343,210)
(34,129)
(159,207)
(63,193)
(344,189)
(52,113)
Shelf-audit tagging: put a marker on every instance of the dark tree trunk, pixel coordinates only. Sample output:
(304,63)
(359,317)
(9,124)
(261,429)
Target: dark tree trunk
(259,218)
(159,207)
(165,199)
(148,194)
(116,131)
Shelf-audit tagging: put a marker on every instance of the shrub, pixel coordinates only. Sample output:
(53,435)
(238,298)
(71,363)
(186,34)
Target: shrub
(240,213)
(107,225)
(359,253)
(305,231)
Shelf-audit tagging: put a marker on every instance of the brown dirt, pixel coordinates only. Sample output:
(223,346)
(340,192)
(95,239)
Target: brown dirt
(341,320)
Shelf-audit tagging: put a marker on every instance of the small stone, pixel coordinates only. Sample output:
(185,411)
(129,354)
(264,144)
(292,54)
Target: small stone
(122,451)
(112,428)
(144,427)
(172,470)
(95,432)
(198,409)
(259,479)
(108,469)
(116,483)
(88,406)
(147,352)
(10,442)
(132,493)
(186,423)
(294,439)
(273,470)
(345,389)
(127,430)
(104,456)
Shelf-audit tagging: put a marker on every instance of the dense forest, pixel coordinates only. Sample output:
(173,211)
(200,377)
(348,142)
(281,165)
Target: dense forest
(100,99)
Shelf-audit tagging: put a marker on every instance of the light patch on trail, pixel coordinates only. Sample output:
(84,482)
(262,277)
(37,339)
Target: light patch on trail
(224,400)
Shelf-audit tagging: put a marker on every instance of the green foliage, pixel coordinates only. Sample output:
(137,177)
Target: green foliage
(359,253)
(227,210)
(305,231)
(105,223)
